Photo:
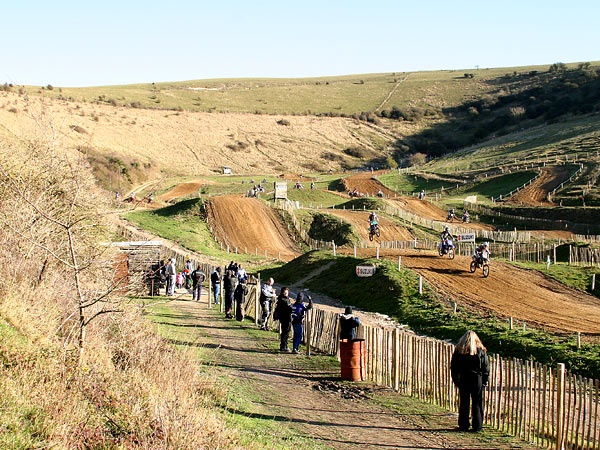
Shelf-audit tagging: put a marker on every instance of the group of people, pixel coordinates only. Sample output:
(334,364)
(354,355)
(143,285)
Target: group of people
(235,288)
(466,217)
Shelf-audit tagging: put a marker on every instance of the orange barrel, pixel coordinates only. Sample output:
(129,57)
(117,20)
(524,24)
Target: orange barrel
(352,357)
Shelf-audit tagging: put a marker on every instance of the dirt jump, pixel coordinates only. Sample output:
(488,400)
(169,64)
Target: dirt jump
(509,291)
(249,224)
(365,183)
(428,210)
(182,190)
(536,194)
(390,231)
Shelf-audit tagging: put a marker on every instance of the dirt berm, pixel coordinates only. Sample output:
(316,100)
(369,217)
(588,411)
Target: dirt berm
(249,224)
(390,231)
(537,192)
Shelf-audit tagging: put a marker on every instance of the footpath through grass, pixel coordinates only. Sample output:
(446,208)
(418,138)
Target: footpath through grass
(395,293)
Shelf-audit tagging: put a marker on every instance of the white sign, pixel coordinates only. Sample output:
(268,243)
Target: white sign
(365,271)
(280,190)
(469,237)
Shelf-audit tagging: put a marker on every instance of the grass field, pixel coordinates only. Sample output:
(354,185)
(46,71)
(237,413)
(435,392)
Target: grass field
(339,94)
(579,136)
(577,277)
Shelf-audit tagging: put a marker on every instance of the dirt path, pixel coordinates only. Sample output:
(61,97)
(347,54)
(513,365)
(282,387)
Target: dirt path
(509,291)
(248,223)
(395,88)
(536,194)
(390,231)
(300,394)
(183,189)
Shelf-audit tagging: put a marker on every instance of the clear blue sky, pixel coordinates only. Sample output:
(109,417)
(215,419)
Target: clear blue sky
(84,43)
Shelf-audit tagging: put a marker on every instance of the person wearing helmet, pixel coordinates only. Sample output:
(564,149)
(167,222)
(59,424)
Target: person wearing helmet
(445,236)
(483,251)
(373,221)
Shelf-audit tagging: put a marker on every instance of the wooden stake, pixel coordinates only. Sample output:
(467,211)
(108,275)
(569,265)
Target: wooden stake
(578,340)
(420,285)
(399,262)
(560,406)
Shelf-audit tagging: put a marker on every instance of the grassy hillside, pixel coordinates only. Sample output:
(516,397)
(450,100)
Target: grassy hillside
(340,94)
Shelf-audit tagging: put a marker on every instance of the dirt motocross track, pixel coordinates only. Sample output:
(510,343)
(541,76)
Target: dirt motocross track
(390,231)
(365,183)
(536,194)
(183,189)
(526,295)
(249,224)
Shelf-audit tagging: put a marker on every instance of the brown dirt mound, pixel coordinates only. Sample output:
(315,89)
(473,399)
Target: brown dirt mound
(183,189)
(428,210)
(366,183)
(551,234)
(295,177)
(536,194)
(508,291)
(390,231)
(248,223)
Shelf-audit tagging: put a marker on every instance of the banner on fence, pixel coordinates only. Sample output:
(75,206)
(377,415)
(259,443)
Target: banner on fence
(280,190)
(366,270)
(467,237)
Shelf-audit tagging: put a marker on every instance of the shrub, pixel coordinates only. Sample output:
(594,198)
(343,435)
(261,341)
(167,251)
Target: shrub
(238,146)
(329,156)
(50,87)
(78,129)
(135,104)
(13,110)
(356,152)
(283,122)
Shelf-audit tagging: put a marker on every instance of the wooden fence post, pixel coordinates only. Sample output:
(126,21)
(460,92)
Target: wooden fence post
(420,285)
(377,253)
(355,250)
(308,330)
(560,405)
(593,282)
(256,299)
(399,262)
(222,295)
(396,359)
(209,290)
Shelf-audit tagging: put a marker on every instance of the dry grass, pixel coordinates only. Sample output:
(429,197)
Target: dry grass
(166,143)
(131,389)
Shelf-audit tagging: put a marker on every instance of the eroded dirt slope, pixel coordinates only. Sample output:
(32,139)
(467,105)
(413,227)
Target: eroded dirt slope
(249,224)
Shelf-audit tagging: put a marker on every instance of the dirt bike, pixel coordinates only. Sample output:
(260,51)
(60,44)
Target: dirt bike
(374,230)
(466,219)
(450,217)
(447,247)
(480,261)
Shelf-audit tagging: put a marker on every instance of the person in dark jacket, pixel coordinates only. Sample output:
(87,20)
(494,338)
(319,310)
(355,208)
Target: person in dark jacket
(283,311)
(348,324)
(215,279)
(240,298)
(229,284)
(197,278)
(298,312)
(470,371)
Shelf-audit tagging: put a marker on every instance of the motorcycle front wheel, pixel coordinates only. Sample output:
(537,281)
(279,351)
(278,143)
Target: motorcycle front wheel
(451,253)
(486,270)
(473,266)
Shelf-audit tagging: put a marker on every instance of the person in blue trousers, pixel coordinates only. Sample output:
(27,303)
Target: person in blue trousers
(299,309)
(215,279)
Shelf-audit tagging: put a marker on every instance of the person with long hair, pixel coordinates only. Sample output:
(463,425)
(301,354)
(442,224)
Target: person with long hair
(470,369)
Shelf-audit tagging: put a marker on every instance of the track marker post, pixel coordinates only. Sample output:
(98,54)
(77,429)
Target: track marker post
(593,281)
(578,340)
(399,262)
(333,243)
(420,284)
(511,323)
(377,253)
(355,252)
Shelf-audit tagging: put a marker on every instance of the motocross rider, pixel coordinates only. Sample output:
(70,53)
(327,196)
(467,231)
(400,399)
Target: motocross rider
(446,235)
(373,219)
(483,251)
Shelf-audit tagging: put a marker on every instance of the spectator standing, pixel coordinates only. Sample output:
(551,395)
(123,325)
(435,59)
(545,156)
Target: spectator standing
(171,274)
(283,313)
(470,369)
(197,277)
(348,324)
(189,268)
(229,283)
(267,296)
(241,273)
(215,279)
(299,309)
(240,298)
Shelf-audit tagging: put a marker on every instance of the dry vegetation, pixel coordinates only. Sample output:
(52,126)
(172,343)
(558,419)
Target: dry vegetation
(116,394)
(127,145)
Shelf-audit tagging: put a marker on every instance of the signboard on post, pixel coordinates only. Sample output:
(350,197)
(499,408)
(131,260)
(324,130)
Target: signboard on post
(468,237)
(366,270)
(280,190)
